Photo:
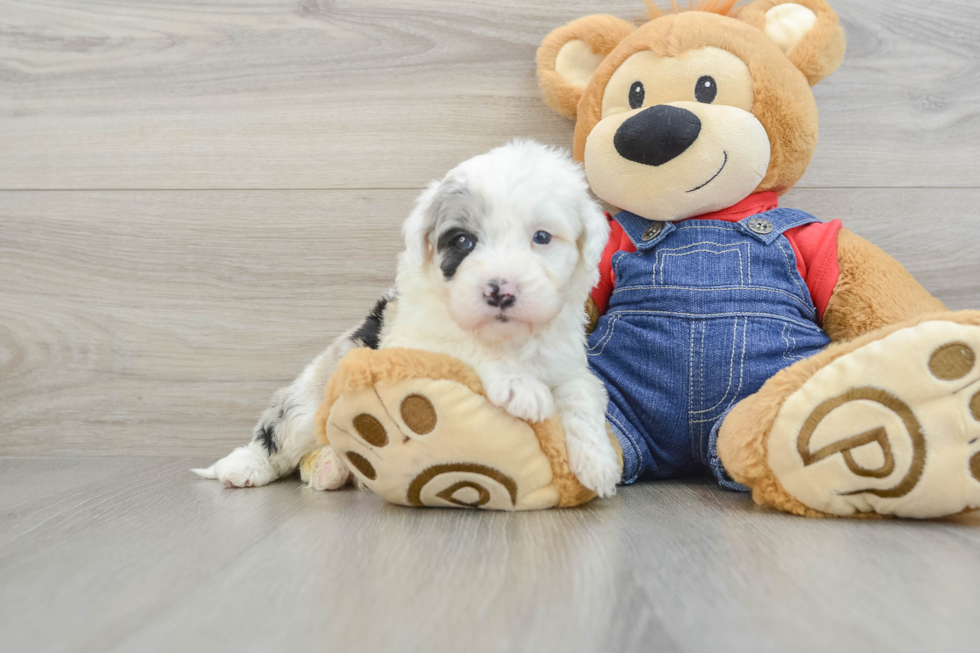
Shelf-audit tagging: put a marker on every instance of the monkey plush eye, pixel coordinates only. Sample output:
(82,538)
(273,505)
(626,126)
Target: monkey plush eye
(464,242)
(637,95)
(542,238)
(706,90)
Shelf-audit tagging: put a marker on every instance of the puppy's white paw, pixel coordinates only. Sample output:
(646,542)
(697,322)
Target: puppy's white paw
(523,397)
(596,466)
(243,467)
(326,470)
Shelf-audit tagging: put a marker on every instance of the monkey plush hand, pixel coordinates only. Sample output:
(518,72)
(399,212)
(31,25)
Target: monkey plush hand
(786,355)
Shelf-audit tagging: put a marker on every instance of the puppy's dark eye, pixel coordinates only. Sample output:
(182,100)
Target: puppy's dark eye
(637,95)
(464,242)
(454,245)
(706,90)
(542,238)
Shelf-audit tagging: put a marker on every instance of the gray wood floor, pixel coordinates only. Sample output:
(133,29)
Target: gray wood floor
(115,554)
(195,197)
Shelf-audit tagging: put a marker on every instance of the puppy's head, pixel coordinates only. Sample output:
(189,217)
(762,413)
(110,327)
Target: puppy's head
(507,240)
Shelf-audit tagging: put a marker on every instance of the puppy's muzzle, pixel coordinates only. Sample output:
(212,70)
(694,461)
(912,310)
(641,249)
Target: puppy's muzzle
(657,135)
(500,294)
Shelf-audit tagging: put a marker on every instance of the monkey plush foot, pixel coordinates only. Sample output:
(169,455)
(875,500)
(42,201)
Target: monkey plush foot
(416,428)
(885,425)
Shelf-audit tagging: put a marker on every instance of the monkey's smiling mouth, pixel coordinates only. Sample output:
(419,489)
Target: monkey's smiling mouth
(713,178)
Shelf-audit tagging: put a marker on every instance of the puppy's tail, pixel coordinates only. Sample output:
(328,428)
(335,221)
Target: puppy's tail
(206,473)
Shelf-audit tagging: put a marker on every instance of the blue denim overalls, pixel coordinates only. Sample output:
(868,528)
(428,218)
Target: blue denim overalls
(703,313)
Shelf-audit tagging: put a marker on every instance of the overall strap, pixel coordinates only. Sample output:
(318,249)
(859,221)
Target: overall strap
(643,233)
(767,227)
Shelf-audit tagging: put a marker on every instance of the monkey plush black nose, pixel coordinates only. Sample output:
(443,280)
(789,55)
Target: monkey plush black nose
(657,135)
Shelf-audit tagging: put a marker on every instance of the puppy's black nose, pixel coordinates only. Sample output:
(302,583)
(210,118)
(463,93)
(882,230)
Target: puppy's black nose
(657,135)
(502,298)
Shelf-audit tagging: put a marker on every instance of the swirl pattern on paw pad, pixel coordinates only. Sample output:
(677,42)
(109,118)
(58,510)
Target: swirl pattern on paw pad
(432,474)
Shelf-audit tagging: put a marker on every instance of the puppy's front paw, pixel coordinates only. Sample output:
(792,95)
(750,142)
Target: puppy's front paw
(522,396)
(323,469)
(596,466)
(243,467)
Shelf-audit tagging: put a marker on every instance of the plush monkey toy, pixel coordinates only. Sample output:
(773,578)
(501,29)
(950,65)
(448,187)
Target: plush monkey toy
(786,355)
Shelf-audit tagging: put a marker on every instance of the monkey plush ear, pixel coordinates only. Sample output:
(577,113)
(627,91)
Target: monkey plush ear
(808,31)
(570,55)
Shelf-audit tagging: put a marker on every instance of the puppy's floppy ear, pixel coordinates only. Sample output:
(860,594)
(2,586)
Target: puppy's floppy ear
(570,55)
(807,31)
(595,235)
(419,226)
(438,201)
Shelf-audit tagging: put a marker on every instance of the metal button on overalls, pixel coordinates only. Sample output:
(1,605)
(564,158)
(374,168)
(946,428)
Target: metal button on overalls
(693,326)
(652,231)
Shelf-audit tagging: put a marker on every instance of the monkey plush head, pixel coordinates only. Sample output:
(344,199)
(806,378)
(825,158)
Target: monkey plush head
(693,111)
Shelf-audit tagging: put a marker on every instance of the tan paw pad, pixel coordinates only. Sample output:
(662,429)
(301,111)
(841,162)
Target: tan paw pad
(892,428)
(952,361)
(418,413)
(423,442)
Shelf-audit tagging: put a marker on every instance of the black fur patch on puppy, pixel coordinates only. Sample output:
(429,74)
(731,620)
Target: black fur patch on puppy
(369,333)
(266,435)
(450,253)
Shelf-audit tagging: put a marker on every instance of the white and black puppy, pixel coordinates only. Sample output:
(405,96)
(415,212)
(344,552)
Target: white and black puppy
(500,257)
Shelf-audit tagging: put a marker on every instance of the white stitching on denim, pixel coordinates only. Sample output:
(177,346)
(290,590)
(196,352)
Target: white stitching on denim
(731,369)
(722,246)
(748,255)
(790,346)
(700,373)
(703,227)
(614,264)
(785,339)
(708,316)
(636,448)
(605,338)
(795,298)
(690,371)
(801,219)
(794,272)
(690,419)
(741,364)
(690,416)
(741,374)
(661,257)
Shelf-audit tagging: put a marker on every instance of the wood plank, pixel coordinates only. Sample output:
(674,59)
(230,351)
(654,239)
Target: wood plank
(149,323)
(152,559)
(141,321)
(381,94)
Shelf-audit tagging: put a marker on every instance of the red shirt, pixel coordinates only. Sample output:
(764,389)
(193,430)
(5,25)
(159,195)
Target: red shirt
(814,244)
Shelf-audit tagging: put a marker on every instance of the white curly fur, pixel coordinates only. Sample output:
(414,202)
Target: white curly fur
(511,306)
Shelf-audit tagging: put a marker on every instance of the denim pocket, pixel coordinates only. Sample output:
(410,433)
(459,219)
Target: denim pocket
(604,332)
(704,264)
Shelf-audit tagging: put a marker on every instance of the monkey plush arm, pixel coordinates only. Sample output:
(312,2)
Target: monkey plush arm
(598,301)
(872,291)
(593,313)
